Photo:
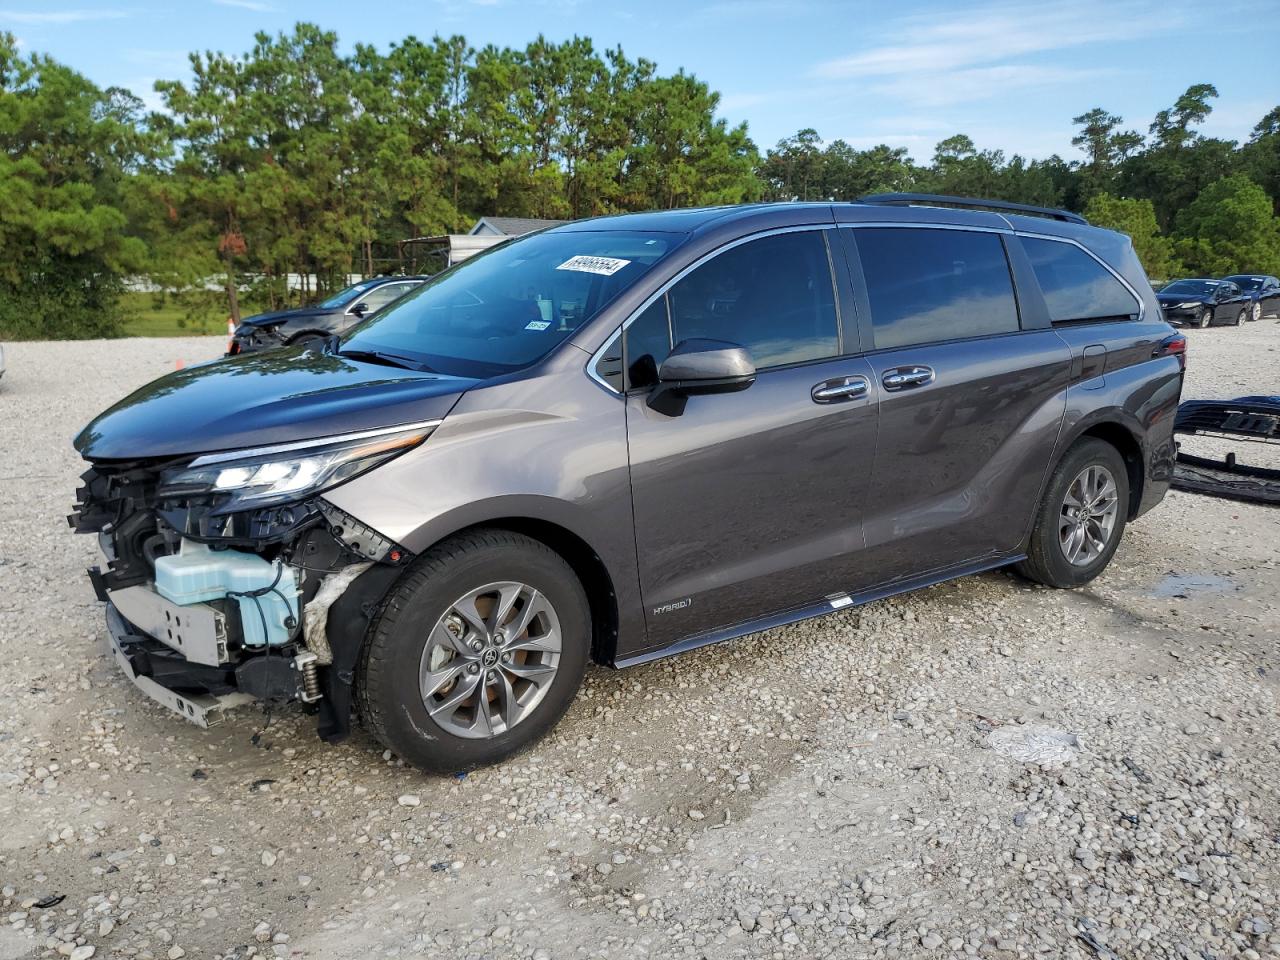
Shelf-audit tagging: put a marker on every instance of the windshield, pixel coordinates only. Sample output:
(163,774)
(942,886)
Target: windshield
(1191,288)
(1247,283)
(343,297)
(509,306)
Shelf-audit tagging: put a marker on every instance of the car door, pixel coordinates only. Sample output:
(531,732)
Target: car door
(971,398)
(749,503)
(1271,296)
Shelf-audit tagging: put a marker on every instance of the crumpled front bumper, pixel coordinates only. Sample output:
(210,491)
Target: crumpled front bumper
(128,646)
(251,339)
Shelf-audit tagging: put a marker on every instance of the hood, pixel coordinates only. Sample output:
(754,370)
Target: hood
(1166,298)
(263,399)
(280,316)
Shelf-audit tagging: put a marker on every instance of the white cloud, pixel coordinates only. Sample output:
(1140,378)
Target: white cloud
(253,5)
(995,33)
(980,83)
(59,16)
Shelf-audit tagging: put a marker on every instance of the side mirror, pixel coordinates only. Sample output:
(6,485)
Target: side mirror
(360,309)
(700,366)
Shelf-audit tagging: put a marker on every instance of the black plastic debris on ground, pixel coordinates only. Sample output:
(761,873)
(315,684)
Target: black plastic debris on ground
(1245,419)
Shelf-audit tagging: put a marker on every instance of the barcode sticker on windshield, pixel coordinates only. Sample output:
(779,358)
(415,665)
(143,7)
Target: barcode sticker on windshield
(537,324)
(605,266)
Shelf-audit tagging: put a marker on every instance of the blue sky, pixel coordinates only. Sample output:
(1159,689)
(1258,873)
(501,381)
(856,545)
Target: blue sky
(1011,75)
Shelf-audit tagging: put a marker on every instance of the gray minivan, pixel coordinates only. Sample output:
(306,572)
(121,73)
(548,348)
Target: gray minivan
(622,438)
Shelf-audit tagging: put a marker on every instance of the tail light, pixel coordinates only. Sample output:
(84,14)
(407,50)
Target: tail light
(1173,346)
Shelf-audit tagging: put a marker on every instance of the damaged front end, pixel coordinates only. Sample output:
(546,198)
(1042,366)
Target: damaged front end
(230,578)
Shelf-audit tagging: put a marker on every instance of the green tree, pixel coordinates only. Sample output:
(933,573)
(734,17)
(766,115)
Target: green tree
(1137,219)
(1104,146)
(1230,228)
(68,150)
(1260,157)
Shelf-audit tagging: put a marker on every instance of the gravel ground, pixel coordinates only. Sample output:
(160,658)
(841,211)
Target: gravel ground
(823,790)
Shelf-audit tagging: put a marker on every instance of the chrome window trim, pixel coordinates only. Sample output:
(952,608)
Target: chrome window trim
(224,456)
(1142,305)
(671,282)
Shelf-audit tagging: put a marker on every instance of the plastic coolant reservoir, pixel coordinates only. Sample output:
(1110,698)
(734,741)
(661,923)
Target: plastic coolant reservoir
(197,574)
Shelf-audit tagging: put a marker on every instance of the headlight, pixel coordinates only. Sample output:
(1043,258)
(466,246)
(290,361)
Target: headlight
(1189,305)
(266,475)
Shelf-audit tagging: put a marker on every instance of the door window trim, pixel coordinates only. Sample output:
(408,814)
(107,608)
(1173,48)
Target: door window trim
(671,281)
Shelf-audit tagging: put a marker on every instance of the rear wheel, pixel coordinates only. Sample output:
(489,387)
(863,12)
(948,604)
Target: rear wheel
(477,654)
(1081,518)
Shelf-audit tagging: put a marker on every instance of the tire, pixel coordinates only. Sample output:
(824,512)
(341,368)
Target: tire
(308,340)
(1255,312)
(1239,318)
(1047,560)
(420,621)
(1206,317)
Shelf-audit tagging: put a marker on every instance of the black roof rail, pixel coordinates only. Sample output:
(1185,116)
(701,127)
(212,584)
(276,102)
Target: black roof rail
(942,200)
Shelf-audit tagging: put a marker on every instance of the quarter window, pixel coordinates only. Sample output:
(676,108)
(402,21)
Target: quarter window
(1075,286)
(930,285)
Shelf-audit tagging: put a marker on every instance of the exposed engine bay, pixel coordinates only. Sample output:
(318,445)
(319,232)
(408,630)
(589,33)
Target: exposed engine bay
(216,598)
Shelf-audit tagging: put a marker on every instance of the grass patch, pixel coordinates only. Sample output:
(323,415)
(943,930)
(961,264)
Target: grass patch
(161,315)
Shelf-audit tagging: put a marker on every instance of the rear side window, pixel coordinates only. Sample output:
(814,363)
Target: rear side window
(929,285)
(1076,287)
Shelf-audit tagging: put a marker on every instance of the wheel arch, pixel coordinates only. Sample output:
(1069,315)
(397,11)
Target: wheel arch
(1125,440)
(308,332)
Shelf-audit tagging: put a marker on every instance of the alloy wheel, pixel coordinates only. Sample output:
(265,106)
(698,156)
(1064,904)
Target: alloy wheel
(490,660)
(1088,516)
(1255,312)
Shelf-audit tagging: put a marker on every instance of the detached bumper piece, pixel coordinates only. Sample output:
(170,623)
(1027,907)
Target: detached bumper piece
(1246,419)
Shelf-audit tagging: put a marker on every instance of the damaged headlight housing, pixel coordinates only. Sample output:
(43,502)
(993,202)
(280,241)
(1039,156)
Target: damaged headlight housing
(246,479)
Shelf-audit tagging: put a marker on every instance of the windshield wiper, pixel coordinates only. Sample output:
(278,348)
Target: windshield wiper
(386,359)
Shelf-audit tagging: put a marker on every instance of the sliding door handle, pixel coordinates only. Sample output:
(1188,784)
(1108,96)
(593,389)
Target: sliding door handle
(901,378)
(840,389)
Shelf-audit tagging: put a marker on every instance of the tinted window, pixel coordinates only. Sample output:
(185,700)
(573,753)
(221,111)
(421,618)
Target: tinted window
(773,296)
(1076,286)
(507,307)
(929,285)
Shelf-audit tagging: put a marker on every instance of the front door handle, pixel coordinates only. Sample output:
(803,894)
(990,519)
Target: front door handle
(900,378)
(840,389)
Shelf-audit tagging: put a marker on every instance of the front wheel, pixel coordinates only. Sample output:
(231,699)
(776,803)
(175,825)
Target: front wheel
(1206,315)
(1081,519)
(1239,318)
(1255,312)
(477,654)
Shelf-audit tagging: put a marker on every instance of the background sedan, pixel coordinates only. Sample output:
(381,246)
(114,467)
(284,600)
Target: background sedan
(1201,303)
(1263,291)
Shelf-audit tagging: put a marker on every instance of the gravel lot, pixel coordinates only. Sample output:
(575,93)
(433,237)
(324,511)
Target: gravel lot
(822,790)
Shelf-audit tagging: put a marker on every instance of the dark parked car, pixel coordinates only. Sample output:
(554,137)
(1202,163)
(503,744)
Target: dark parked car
(623,438)
(338,314)
(1203,303)
(1262,292)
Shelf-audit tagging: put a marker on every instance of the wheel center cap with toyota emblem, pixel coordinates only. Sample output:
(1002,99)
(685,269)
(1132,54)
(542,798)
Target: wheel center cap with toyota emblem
(490,658)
